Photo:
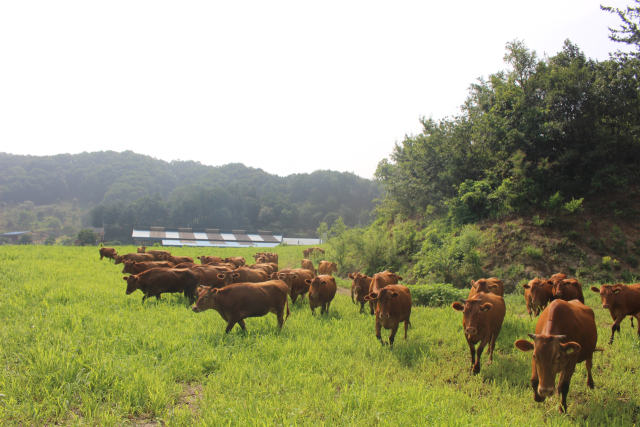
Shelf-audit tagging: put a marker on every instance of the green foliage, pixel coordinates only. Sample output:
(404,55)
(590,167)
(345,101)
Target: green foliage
(574,206)
(533,252)
(450,257)
(50,241)
(436,295)
(537,221)
(25,239)
(555,202)
(86,237)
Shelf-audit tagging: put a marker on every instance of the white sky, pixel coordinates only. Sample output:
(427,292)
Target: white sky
(288,87)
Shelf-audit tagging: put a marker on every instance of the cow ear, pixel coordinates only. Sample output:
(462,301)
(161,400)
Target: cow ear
(220,276)
(200,287)
(213,291)
(486,307)
(571,347)
(493,286)
(307,281)
(125,277)
(350,275)
(473,283)
(294,276)
(394,294)
(526,286)
(400,278)
(594,289)
(524,345)
(235,275)
(616,288)
(372,296)
(365,276)
(457,306)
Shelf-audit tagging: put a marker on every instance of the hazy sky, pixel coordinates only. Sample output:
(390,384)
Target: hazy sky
(288,87)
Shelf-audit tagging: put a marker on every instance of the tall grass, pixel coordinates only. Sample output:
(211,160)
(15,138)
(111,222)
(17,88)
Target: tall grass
(75,350)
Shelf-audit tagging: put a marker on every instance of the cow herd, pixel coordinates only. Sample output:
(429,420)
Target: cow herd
(565,333)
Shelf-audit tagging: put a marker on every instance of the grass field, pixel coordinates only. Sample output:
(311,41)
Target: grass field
(75,350)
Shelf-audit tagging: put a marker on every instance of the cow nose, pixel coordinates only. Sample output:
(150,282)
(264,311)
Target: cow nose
(385,315)
(471,331)
(605,305)
(194,308)
(535,301)
(545,391)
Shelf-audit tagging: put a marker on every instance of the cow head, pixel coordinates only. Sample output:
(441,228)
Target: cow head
(314,286)
(128,266)
(142,249)
(227,277)
(383,298)
(288,278)
(541,291)
(117,259)
(482,285)
(261,260)
(359,282)
(207,298)
(609,294)
(164,257)
(550,356)
(133,283)
(559,286)
(333,267)
(473,311)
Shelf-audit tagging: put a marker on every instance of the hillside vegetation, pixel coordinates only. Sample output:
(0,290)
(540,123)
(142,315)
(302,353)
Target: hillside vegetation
(538,174)
(124,190)
(77,351)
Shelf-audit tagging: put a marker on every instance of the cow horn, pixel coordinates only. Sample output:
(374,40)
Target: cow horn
(532,336)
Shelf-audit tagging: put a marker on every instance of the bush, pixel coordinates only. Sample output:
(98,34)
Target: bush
(574,206)
(50,241)
(436,295)
(114,243)
(25,239)
(533,252)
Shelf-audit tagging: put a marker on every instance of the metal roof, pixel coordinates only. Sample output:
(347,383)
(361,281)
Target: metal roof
(209,237)
(14,233)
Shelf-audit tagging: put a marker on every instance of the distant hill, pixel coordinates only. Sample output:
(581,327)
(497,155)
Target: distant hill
(129,189)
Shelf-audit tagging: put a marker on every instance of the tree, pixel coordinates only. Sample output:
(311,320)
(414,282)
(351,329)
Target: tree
(26,239)
(630,30)
(86,237)
(50,241)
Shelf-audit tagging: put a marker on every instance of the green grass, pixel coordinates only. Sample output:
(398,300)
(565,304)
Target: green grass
(75,350)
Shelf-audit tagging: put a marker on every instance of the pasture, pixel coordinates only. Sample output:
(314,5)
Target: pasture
(75,350)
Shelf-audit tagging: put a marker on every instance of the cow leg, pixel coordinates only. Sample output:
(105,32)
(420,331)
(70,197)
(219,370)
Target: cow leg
(589,363)
(327,309)
(379,332)
(563,385)
(472,350)
(371,307)
(361,307)
(483,343)
(313,310)
(280,316)
(535,381)
(616,327)
(293,298)
(638,325)
(406,326)
(230,326)
(394,330)
(242,324)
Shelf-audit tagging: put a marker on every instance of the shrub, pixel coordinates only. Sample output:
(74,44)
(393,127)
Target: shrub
(573,234)
(632,261)
(50,241)
(114,243)
(436,295)
(537,221)
(555,202)
(607,263)
(574,206)
(533,252)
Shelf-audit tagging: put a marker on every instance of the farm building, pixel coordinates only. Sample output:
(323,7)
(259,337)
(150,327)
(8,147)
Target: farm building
(14,236)
(206,237)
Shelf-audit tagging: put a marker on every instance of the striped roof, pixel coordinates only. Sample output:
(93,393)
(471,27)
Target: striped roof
(209,237)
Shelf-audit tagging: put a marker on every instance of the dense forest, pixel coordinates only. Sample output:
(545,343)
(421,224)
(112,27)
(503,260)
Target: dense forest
(540,152)
(128,189)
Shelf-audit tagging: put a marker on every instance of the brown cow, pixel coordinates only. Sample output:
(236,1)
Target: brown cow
(360,288)
(141,249)
(307,264)
(269,267)
(244,275)
(176,259)
(566,335)
(157,255)
(306,253)
(270,257)
(133,257)
(133,267)
(568,289)
(393,305)
(322,290)
(622,301)
(492,285)
(385,278)
(108,253)
(296,282)
(238,261)
(482,321)
(327,267)
(158,281)
(205,259)
(236,303)
(537,294)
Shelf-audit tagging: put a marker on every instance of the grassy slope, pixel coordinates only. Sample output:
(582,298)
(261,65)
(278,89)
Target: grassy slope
(77,350)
